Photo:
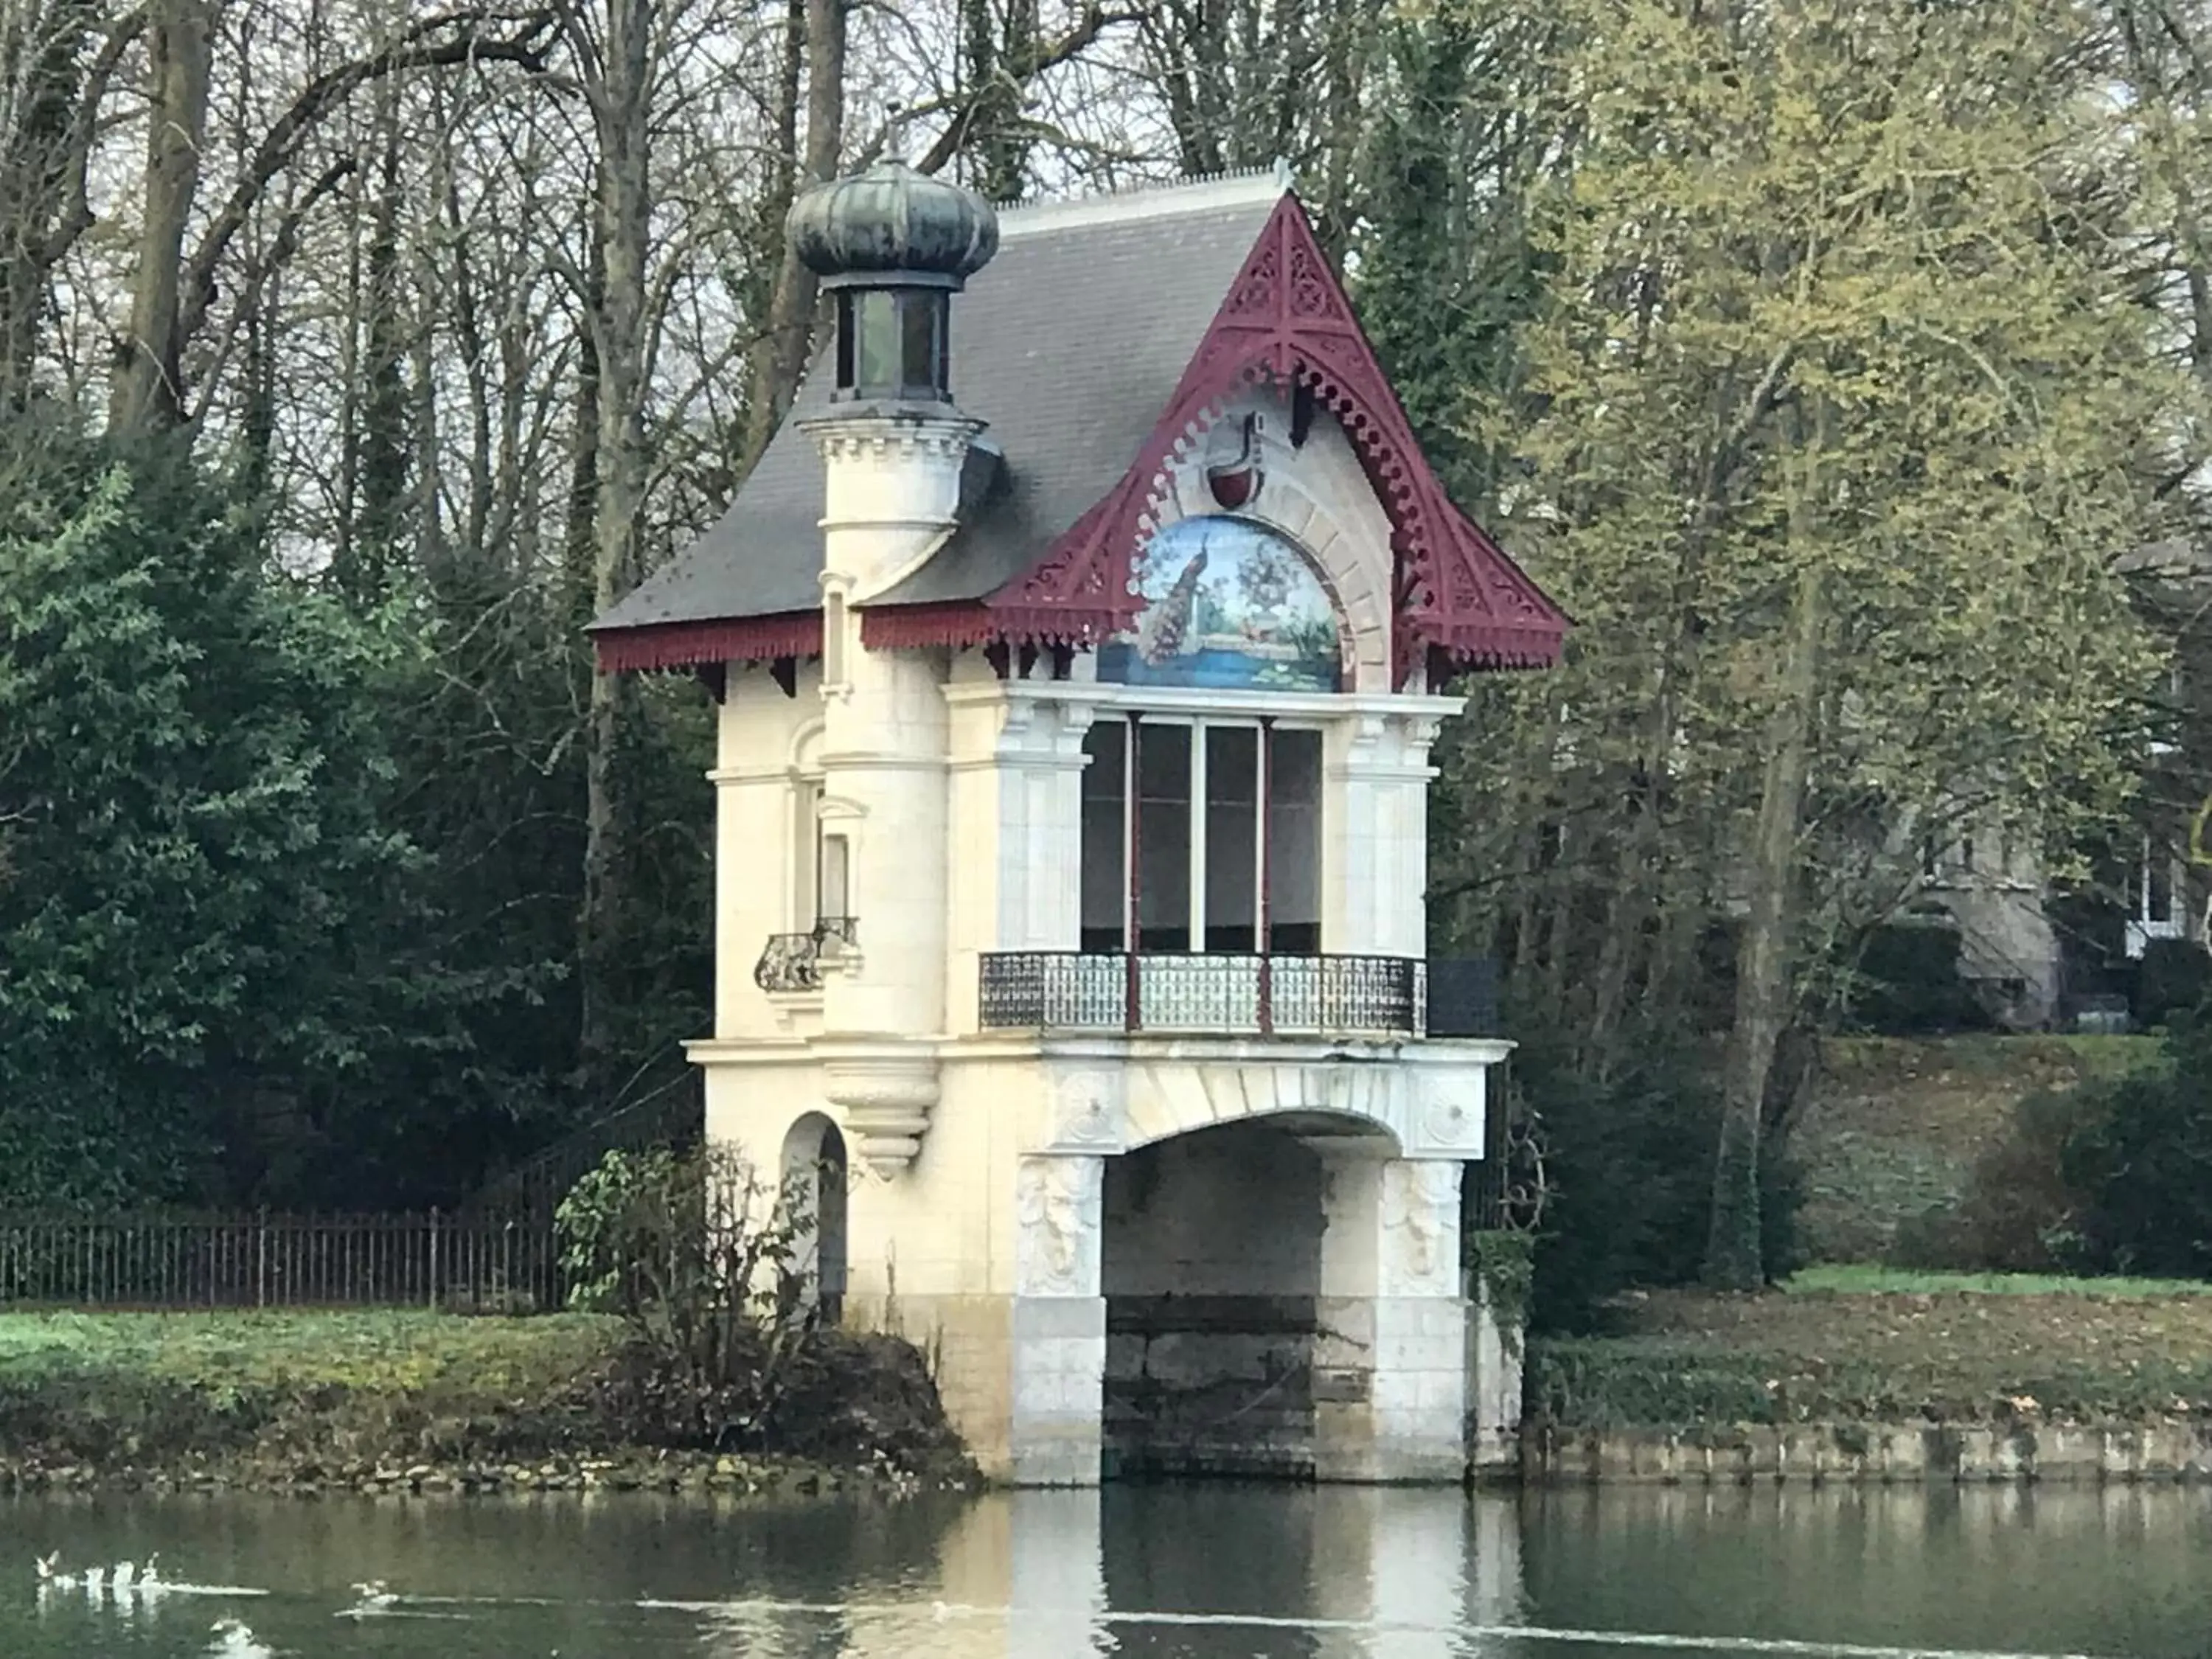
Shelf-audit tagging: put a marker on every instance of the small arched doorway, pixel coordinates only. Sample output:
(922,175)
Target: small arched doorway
(814,1173)
(1224,1347)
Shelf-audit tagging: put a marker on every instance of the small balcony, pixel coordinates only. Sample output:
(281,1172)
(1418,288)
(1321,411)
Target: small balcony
(1194,993)
(791,963)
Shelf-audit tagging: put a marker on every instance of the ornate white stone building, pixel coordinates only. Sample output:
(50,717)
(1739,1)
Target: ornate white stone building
(1074,641)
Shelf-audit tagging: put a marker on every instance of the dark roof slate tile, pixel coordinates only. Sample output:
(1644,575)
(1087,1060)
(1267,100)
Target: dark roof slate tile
(1068,343)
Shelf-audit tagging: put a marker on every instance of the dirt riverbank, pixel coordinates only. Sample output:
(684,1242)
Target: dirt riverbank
(425,1403)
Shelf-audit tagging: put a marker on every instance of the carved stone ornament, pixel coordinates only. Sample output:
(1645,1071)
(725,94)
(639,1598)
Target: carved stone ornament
(1087,1110)
(886,1100)
(1444,1112)
(1058,1204)
(1420,1227)
(1452,1123)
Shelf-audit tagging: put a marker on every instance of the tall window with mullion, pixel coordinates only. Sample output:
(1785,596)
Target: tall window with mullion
(1202,836)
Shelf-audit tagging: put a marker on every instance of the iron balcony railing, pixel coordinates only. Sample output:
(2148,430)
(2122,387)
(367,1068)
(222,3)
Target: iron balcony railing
(1210,992)
(792,961)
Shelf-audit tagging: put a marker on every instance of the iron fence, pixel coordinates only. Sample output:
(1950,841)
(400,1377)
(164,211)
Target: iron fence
(167,1259)
(674,1117)
(1204,992)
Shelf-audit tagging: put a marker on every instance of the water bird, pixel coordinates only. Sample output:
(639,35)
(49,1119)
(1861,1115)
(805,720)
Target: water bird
(373,1597)
(235,1641)
(122,1576)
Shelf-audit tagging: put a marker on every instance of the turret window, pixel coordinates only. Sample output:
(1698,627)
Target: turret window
(891,343)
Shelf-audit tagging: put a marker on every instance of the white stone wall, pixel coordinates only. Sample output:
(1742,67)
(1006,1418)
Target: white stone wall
(980,1163)
(1015,819)
(762,770)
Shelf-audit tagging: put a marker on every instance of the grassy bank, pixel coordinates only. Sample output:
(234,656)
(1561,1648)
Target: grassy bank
(1850,1344)
(1893,1124)
(411,1400)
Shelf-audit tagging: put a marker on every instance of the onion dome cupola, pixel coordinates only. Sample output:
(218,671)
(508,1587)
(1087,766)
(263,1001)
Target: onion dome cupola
(893,245)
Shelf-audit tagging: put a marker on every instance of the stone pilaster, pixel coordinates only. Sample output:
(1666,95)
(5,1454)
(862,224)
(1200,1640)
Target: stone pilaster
(1058,1351)
(1390,1371)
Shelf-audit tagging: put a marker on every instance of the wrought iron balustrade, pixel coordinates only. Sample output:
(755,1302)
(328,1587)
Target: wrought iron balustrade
(792,961)
(1204,992)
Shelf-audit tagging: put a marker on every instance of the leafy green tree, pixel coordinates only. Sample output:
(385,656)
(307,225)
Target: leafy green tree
(206,929)
(1466,117)
(1848,403)
(2138,1155)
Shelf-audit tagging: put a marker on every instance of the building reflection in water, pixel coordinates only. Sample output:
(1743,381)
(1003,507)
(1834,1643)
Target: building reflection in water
(1212,1572)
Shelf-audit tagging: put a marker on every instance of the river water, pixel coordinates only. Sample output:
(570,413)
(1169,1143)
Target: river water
(1210,1572)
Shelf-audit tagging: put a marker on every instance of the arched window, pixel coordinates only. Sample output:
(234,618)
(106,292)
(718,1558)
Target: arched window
(814,1171)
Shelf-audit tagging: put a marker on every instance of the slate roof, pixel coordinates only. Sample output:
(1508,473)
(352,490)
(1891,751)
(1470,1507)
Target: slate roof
(1069,343)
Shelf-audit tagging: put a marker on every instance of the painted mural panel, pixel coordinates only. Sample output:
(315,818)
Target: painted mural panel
(1227,605)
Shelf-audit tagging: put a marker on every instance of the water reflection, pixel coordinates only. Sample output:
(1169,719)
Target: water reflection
(1172,1572)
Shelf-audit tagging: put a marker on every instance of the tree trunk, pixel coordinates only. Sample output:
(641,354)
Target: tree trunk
(387,434)
(148,393)
(1734,1256)
(780,362)
(622,214)
(38,156)
(581,510)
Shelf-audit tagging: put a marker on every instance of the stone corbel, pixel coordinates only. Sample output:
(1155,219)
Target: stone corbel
(1422,731)
(886,1096)
(1075,720)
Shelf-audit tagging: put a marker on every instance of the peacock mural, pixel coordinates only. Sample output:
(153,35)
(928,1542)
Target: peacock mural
(1229,604)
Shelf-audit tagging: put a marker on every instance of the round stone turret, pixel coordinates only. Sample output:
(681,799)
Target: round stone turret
(892,227)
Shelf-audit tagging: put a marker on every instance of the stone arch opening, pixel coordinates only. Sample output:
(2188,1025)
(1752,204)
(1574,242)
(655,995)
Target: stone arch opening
(1225,1352)
(815,1177)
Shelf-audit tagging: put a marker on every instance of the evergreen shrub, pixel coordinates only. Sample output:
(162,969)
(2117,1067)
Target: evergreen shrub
(1629,1157)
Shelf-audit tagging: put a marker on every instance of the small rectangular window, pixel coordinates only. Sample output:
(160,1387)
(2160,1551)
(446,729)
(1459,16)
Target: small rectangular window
(1232,837)
(1163,818)
(835,879)
(837,622)
(1293,874)
(918,315)
(876,345)
(846,348)
(1105,822)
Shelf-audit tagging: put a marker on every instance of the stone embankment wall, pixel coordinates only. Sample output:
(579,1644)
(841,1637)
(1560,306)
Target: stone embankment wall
(1493,1378)
(1869,1452)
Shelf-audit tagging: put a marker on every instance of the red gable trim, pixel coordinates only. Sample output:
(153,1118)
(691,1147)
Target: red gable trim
(1288,318)
(964,622)
(688,644)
